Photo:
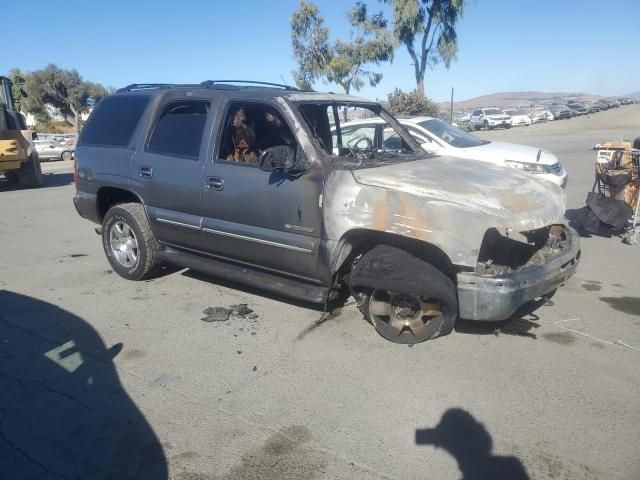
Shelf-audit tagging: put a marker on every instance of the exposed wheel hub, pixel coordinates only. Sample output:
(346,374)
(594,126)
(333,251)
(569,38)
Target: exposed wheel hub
(403,318)
(406,307)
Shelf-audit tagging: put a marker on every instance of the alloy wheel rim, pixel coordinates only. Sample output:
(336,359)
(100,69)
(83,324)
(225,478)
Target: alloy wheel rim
(124,244)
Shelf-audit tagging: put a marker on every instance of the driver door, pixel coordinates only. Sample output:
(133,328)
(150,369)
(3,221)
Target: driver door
(267,219)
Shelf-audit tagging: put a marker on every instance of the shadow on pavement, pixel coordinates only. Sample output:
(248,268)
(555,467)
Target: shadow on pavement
(50,180)
(466,439)
(63,411)
(522,323)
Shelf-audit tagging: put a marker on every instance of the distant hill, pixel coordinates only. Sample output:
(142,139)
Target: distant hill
(633,95)
(510,99)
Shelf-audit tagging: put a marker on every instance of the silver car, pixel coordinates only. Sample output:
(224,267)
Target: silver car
(55,148)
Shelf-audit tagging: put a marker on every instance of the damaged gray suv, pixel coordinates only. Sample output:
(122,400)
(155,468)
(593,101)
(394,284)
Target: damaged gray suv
(267,186)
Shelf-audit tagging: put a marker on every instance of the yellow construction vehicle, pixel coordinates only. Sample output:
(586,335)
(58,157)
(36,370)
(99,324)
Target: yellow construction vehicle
(19,161)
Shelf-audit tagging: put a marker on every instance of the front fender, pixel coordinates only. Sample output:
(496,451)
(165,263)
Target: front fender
(450,227)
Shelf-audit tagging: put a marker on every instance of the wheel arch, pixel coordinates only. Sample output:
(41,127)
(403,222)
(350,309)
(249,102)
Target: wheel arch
(107,197)
(359,241)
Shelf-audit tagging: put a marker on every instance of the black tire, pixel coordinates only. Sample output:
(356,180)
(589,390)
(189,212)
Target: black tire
(507,126)
(66,155)
(432,287)
(147,262)
(11,177)
(29,175)
(486,126)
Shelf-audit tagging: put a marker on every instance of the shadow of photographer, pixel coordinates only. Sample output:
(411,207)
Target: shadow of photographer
(470,444)
(63,411)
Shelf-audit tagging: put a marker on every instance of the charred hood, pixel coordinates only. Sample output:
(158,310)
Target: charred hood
(513,199)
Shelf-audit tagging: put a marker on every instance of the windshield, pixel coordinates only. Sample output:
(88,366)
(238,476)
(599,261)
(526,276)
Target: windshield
(493,111)
(454,136)
(358,135)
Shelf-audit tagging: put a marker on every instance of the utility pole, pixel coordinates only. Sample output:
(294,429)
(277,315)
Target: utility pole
(451,108)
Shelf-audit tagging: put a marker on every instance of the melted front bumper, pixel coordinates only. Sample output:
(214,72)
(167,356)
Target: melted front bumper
(497,297)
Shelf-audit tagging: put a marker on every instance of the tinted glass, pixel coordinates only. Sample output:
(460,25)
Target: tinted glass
(179,130)
(114,120)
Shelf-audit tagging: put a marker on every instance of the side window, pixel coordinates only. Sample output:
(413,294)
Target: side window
(178,131)
(475,113)
(391,140)
(113,121)
(251,128)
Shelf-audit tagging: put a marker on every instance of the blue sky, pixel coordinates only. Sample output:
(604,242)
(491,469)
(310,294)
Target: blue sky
(509,45)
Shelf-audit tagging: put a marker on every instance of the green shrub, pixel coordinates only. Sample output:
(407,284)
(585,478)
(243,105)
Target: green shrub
(411,103)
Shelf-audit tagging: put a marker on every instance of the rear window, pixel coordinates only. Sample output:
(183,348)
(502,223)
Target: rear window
(114,120)
(178,131)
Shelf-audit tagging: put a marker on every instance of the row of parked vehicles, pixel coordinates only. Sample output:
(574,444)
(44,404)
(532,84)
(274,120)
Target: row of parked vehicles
(489,118)
(284,190)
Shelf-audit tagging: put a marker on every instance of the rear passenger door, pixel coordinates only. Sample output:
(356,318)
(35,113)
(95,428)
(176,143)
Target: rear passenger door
(167,169)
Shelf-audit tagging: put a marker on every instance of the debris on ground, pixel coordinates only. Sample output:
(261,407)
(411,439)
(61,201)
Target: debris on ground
(222,314)
(240,310)
(216,314)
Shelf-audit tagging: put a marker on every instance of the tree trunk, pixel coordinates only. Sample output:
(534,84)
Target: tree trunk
(346,87)
(420,87)
(76,121)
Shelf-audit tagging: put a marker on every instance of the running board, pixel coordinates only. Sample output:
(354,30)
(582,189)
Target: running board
(243,275)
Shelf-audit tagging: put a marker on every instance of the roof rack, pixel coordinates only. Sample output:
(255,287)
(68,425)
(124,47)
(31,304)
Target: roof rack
(150,86)
(206,84)
(211,83)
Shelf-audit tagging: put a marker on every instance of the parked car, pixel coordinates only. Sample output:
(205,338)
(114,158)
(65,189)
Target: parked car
(593,107)
(560,112)
(53,149)
(578,107)
(489,118)
(246,183)
(610,102)
(519,117)
(440,138)
(538,115)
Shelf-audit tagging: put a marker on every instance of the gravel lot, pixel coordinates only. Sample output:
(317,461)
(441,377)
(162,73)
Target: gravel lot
(124,378)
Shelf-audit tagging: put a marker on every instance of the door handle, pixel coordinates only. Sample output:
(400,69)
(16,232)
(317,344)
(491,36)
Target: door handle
(145,172)
(215,183)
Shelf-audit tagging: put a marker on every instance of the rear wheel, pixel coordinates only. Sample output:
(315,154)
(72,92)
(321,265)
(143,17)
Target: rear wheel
(486,125)
(129,243)
(66,155)
(30,173)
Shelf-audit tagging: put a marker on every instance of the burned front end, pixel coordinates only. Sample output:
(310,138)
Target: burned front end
(516,267)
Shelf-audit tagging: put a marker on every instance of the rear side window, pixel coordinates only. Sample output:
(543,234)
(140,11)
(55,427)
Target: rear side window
(178,131)
(114,120)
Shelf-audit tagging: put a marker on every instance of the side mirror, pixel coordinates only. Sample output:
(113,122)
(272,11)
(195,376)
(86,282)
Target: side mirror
(279,158)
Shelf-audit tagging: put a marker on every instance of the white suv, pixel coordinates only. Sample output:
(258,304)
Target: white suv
(489,118)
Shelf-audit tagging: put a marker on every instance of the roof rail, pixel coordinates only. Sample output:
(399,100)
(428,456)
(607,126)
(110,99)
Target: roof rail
(210,83)
(150,86)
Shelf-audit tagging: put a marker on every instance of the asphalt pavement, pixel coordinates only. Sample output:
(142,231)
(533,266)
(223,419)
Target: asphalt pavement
(125,380)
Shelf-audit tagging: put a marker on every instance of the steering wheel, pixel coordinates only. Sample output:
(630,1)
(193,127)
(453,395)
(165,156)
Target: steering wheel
(358,153)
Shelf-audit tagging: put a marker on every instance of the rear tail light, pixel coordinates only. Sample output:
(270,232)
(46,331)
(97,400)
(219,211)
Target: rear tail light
(75,172)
